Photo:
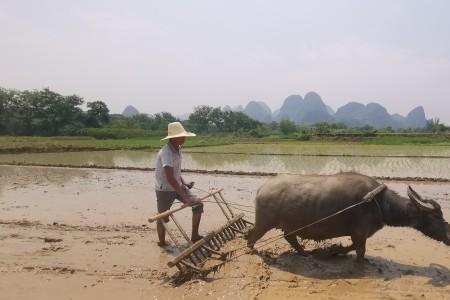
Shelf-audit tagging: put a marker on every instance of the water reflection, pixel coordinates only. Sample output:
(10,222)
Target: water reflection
(376,166)
(329,149)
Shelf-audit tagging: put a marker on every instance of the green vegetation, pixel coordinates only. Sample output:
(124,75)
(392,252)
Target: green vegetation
(30,114)
(46,113)
(206,119)
(397,139)
(22,144)
(10,144)
(119,133)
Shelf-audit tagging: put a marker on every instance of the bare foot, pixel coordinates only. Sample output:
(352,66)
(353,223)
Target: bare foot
(163,244)
(196,238)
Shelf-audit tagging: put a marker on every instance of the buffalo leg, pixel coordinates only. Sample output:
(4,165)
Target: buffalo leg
(360,245)
(292,239)
(255,234)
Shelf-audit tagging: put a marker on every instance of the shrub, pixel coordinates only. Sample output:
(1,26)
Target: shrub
(287,127)
(120,133)
(303,136)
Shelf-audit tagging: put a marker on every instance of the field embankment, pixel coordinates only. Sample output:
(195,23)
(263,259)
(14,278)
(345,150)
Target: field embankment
(16,144)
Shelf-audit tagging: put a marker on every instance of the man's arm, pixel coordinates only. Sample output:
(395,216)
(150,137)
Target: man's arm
(173,182)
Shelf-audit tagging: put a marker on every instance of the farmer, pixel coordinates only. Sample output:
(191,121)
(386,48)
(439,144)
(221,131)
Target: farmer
(169,183)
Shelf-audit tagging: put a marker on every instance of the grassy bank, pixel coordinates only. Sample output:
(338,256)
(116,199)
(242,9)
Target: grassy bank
(411,139)
(60,144)
(9,144)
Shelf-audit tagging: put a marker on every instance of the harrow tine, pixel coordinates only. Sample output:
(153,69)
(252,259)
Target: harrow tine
(216,242)
(211,245)
(204,249)
(229,232)
(210,250)
(191,259)
(225,234)
(237,230)
(194,268)
(199,260)
(179,267)
(237,224)
(240,224)
(222,237)
(205,253)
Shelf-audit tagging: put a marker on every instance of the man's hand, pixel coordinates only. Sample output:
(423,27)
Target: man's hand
(189,200)
(189,185)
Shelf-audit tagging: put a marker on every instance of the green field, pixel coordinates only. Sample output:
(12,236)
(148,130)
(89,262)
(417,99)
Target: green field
(61,144)
(9,144)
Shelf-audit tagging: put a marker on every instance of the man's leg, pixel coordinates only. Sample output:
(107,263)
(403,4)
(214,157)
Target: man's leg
(164,202)
(196,217)
(161,234)
(197,211)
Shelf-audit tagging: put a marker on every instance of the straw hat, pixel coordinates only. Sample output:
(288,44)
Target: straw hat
(175,130)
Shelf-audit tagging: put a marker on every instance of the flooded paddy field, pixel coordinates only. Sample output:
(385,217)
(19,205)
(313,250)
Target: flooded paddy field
(429,161)
(337,149)
(82,234)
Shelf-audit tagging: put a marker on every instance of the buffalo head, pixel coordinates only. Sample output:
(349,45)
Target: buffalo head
(430,221)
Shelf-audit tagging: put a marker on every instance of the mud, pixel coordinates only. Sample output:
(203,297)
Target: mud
(203,171)
(82,234)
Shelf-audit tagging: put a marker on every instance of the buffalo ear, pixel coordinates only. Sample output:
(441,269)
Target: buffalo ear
(418,201)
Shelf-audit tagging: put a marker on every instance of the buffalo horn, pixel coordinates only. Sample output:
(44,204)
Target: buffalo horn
(418,200)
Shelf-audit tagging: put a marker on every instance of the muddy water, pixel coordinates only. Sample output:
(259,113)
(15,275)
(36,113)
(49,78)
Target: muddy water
(105,249)
(414,161)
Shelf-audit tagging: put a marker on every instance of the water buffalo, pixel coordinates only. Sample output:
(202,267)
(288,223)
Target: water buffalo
(289,202)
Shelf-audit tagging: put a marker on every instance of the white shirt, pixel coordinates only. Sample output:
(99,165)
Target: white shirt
(170,157)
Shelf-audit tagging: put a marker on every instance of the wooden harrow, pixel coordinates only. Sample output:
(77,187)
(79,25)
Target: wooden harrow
(194,257)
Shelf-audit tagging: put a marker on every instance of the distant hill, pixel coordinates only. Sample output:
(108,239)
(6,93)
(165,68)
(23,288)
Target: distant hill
(416,118)
(290,108)
(373,114)
(311,109)
(130,111)
(258,111)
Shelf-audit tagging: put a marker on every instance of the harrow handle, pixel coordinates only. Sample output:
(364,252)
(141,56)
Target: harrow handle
(169,212)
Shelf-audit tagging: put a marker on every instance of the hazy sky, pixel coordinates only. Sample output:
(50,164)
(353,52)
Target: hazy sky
(173,55)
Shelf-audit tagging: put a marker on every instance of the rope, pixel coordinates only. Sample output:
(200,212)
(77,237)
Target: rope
(236,208)
(234,203)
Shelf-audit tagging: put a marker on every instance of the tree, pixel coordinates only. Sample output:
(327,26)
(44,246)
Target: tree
(39,112)
(322,128)
(161,120)
(287,127)
(97,114)
(199,118)
(61,111)
(435,125)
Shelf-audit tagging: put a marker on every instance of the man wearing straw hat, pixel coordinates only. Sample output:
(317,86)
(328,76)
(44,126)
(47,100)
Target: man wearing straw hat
(170,185)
